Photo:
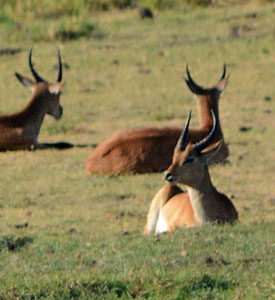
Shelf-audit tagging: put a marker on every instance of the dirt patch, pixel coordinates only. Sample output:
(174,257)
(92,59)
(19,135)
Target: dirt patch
(10,51)
(14,244)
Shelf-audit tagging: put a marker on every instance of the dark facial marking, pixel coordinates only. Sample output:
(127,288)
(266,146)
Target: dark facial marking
(188,160)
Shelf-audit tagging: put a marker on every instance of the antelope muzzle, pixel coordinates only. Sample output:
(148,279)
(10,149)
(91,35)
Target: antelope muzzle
(168,176)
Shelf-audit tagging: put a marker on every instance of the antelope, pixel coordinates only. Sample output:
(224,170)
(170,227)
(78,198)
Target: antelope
(148,150)
(171,207)
(20,130)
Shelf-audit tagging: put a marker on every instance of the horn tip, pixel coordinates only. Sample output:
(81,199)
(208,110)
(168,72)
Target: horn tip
(213,114)
(224,70)
(59,76)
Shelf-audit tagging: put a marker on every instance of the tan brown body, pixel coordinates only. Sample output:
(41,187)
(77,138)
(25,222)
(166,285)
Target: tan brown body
(148,150)
(144,150)
(176,210)
(20,130)
(172,208)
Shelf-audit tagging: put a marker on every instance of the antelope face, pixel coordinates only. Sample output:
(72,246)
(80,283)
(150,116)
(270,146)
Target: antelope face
(54,107)
(50,92)
(186,166)
(188,160)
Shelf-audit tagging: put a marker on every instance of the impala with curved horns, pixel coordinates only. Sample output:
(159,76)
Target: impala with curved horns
(171,207)
(20,130)
(148,150)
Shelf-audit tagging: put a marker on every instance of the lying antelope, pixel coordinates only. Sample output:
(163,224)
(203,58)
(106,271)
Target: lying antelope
(148,150)
(20,130)
(171,207)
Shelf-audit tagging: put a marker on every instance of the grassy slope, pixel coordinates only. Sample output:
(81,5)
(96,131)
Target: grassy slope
(131,76)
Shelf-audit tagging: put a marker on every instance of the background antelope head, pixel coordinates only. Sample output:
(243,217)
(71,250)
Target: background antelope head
(189,161)
(208,98)
(48,92)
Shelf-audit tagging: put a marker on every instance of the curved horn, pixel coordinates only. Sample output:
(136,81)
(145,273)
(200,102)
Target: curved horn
(207,140)
(221,84)
(34,73)
(182,142)
(224,72)
(59,76)
(195,88)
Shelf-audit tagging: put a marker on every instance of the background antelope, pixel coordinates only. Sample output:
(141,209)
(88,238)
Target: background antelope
(20,130)
(147,150)
(171,207)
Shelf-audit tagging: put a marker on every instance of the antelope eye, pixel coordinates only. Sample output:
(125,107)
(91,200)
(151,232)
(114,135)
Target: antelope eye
(188,160)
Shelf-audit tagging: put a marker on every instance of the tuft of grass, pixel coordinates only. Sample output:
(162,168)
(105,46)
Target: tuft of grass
(65,34)
(63,30)
(25,9)
(204,287)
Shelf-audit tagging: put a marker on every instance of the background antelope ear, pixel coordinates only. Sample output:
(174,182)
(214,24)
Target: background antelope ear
(220,86)
(209,155)
(55,88)
(25,81)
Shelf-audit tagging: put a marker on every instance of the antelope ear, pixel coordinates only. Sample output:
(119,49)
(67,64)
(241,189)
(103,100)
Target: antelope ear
(25,81)
(55,88)
(220,86)
(212,151)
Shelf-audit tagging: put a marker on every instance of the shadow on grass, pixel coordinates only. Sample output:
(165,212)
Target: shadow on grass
(58,146)
(63,146)
(9,50)
(14,244)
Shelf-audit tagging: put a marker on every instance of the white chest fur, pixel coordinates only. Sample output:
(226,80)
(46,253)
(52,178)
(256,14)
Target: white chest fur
(197,202)
(162,225)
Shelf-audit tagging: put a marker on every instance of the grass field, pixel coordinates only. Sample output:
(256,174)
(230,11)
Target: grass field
(84,235)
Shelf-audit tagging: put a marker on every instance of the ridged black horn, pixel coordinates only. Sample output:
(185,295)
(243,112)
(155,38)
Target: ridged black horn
(34,73)
(182,142)
(59,76)
(207,140)
(195,88)
(224,72)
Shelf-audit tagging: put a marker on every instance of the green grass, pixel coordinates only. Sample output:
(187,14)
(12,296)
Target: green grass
(84,235)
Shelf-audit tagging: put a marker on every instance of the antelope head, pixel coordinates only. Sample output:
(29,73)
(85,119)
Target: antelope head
(48,92)
(189,161)
(208,97)
(213,92)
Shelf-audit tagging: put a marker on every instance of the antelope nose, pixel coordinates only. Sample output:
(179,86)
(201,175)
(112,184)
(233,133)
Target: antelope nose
(168,176)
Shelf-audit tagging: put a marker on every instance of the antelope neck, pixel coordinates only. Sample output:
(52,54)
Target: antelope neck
(35,111)
(204,109)
(202,195)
